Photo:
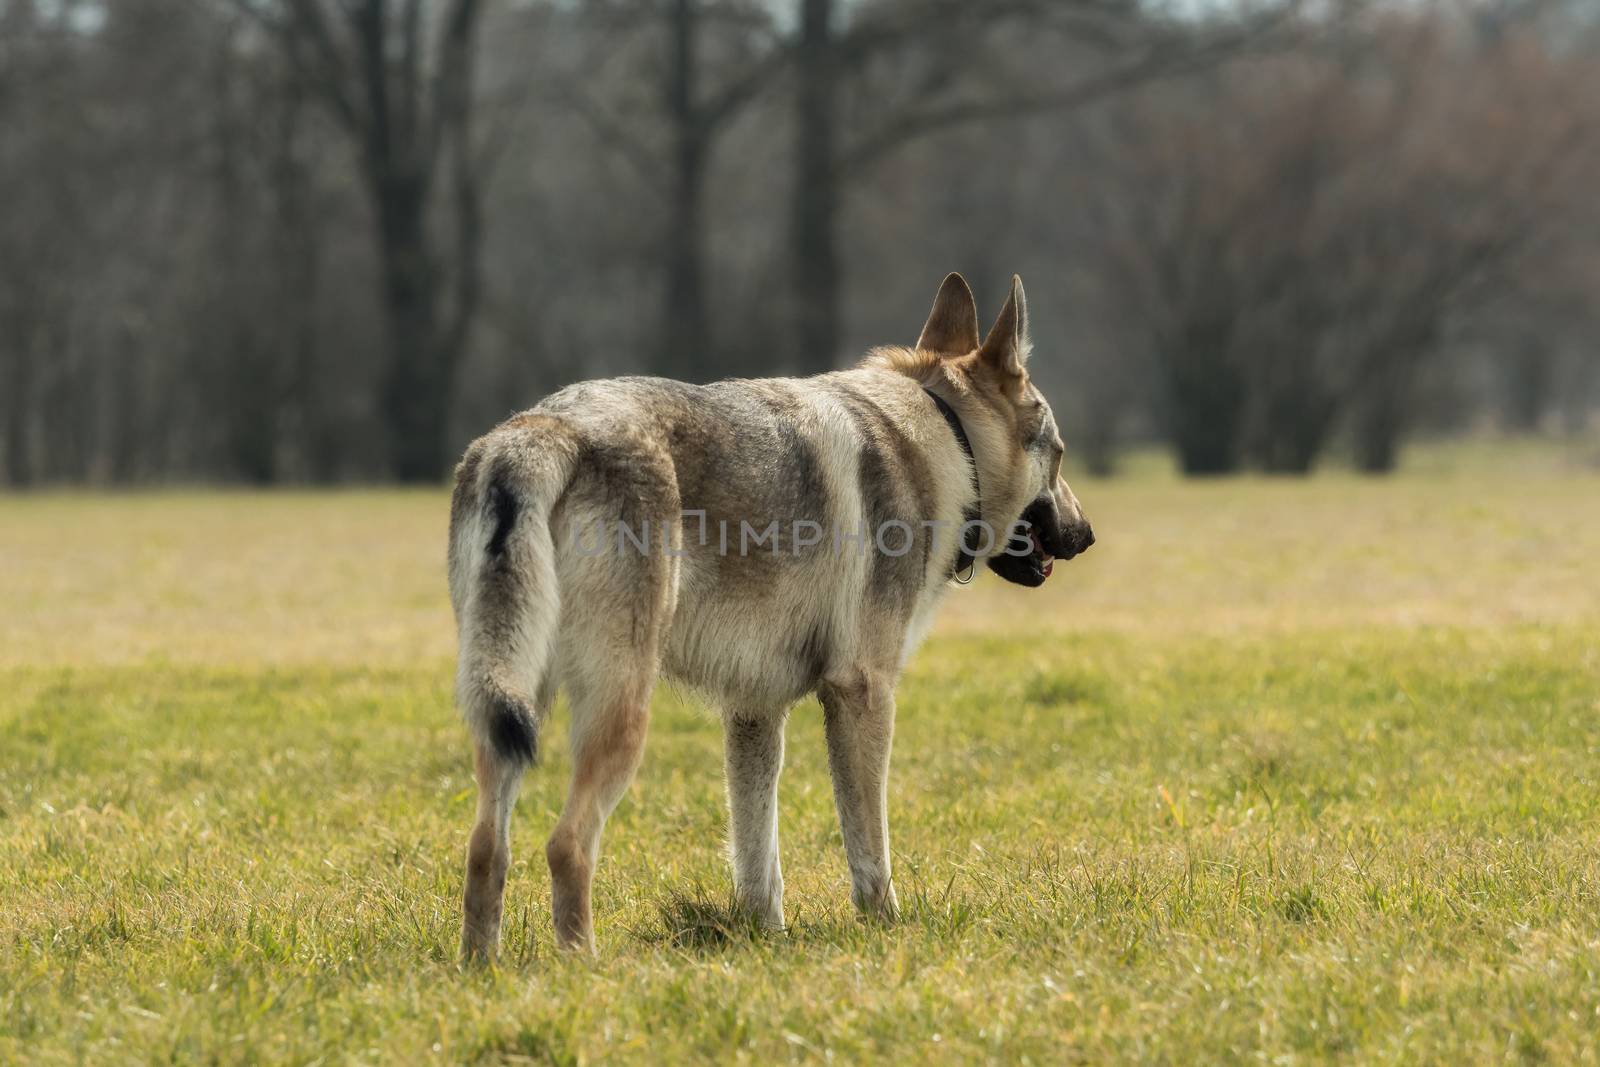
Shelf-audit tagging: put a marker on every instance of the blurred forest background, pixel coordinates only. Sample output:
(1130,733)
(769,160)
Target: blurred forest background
(332,240)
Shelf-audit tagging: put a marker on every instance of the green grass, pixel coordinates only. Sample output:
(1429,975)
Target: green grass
(1220,834)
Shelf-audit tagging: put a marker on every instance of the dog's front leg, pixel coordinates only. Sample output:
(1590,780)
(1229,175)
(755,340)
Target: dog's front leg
(753,747)
(858,712)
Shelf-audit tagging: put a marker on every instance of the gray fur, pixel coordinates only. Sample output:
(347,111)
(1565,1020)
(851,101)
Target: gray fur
(753,631)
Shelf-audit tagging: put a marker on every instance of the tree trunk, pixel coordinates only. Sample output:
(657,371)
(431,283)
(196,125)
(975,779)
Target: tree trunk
(310,455)
(686,333)
(1100,449)
(399,113)
(417,380)
(816,331)
(1529,370)
(1294,450)
(1206,408)
(1378,436)
(1100,419)
(244,384)
(685,323)
(125,430)
(1296,427)
(19,395)
(1384,409)
(1206,395)
(1579,397)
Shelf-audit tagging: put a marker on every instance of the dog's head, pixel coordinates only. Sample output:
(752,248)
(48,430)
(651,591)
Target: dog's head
(1035,516)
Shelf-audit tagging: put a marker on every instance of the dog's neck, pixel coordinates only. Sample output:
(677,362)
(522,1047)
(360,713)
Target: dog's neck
(966,556)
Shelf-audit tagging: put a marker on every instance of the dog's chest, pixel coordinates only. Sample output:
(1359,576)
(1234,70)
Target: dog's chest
(922,618)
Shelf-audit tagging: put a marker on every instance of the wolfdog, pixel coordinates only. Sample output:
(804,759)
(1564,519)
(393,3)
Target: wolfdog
(605,537)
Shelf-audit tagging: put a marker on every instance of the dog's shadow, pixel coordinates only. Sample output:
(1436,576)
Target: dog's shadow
(705,924)
(701,923)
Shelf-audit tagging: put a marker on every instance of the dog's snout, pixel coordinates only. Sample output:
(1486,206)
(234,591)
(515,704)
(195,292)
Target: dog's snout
(1081,538)
(1072,540)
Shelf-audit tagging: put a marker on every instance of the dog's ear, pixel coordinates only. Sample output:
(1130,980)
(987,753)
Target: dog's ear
(952,325)
(1007,347)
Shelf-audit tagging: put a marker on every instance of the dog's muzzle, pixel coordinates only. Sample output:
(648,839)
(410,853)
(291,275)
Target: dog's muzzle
(1049,539)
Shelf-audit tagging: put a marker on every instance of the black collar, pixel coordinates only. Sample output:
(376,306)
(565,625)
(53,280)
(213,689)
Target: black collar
(967,556)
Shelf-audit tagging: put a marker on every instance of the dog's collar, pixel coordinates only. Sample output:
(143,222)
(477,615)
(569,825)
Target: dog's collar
(967,557)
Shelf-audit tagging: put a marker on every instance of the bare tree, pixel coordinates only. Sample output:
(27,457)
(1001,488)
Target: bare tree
(407,108)
(865,82)
(706,62)
(1299,231)
(909,69)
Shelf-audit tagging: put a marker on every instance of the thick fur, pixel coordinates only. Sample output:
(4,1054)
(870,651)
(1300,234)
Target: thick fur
(754,630)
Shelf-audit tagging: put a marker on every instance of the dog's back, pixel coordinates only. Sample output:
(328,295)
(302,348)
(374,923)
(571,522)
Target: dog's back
(736,522)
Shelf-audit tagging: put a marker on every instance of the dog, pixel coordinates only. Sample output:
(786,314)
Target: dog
(757,541)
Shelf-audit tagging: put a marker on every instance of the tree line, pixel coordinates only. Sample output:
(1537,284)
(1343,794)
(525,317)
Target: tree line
(331,240)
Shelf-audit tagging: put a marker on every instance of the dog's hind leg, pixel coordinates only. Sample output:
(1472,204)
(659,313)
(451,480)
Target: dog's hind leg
(608,732)
(488,853)
(753,748)
(858,718)
(617,608)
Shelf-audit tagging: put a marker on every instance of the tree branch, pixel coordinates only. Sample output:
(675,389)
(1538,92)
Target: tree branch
(453,76)
(326,72)
(1167,59)
(367,23)
(411,103)
(739,91)
(612,133)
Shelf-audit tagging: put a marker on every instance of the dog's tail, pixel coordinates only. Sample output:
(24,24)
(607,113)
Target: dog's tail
(503,582)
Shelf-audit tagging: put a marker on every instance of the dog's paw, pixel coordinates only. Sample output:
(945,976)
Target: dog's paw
(876,901)
(477,950)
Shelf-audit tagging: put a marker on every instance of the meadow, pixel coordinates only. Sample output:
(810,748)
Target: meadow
(1281,771)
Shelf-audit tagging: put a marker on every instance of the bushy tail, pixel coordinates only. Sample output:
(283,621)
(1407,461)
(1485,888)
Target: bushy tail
(503,582)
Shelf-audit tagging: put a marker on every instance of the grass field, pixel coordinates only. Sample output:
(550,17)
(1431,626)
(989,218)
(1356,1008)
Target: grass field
(1281,771)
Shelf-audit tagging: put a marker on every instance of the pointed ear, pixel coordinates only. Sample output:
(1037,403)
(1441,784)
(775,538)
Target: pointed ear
(953,323)
(1007,347)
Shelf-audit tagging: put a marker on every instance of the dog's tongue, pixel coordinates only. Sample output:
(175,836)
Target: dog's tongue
(1045,558)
